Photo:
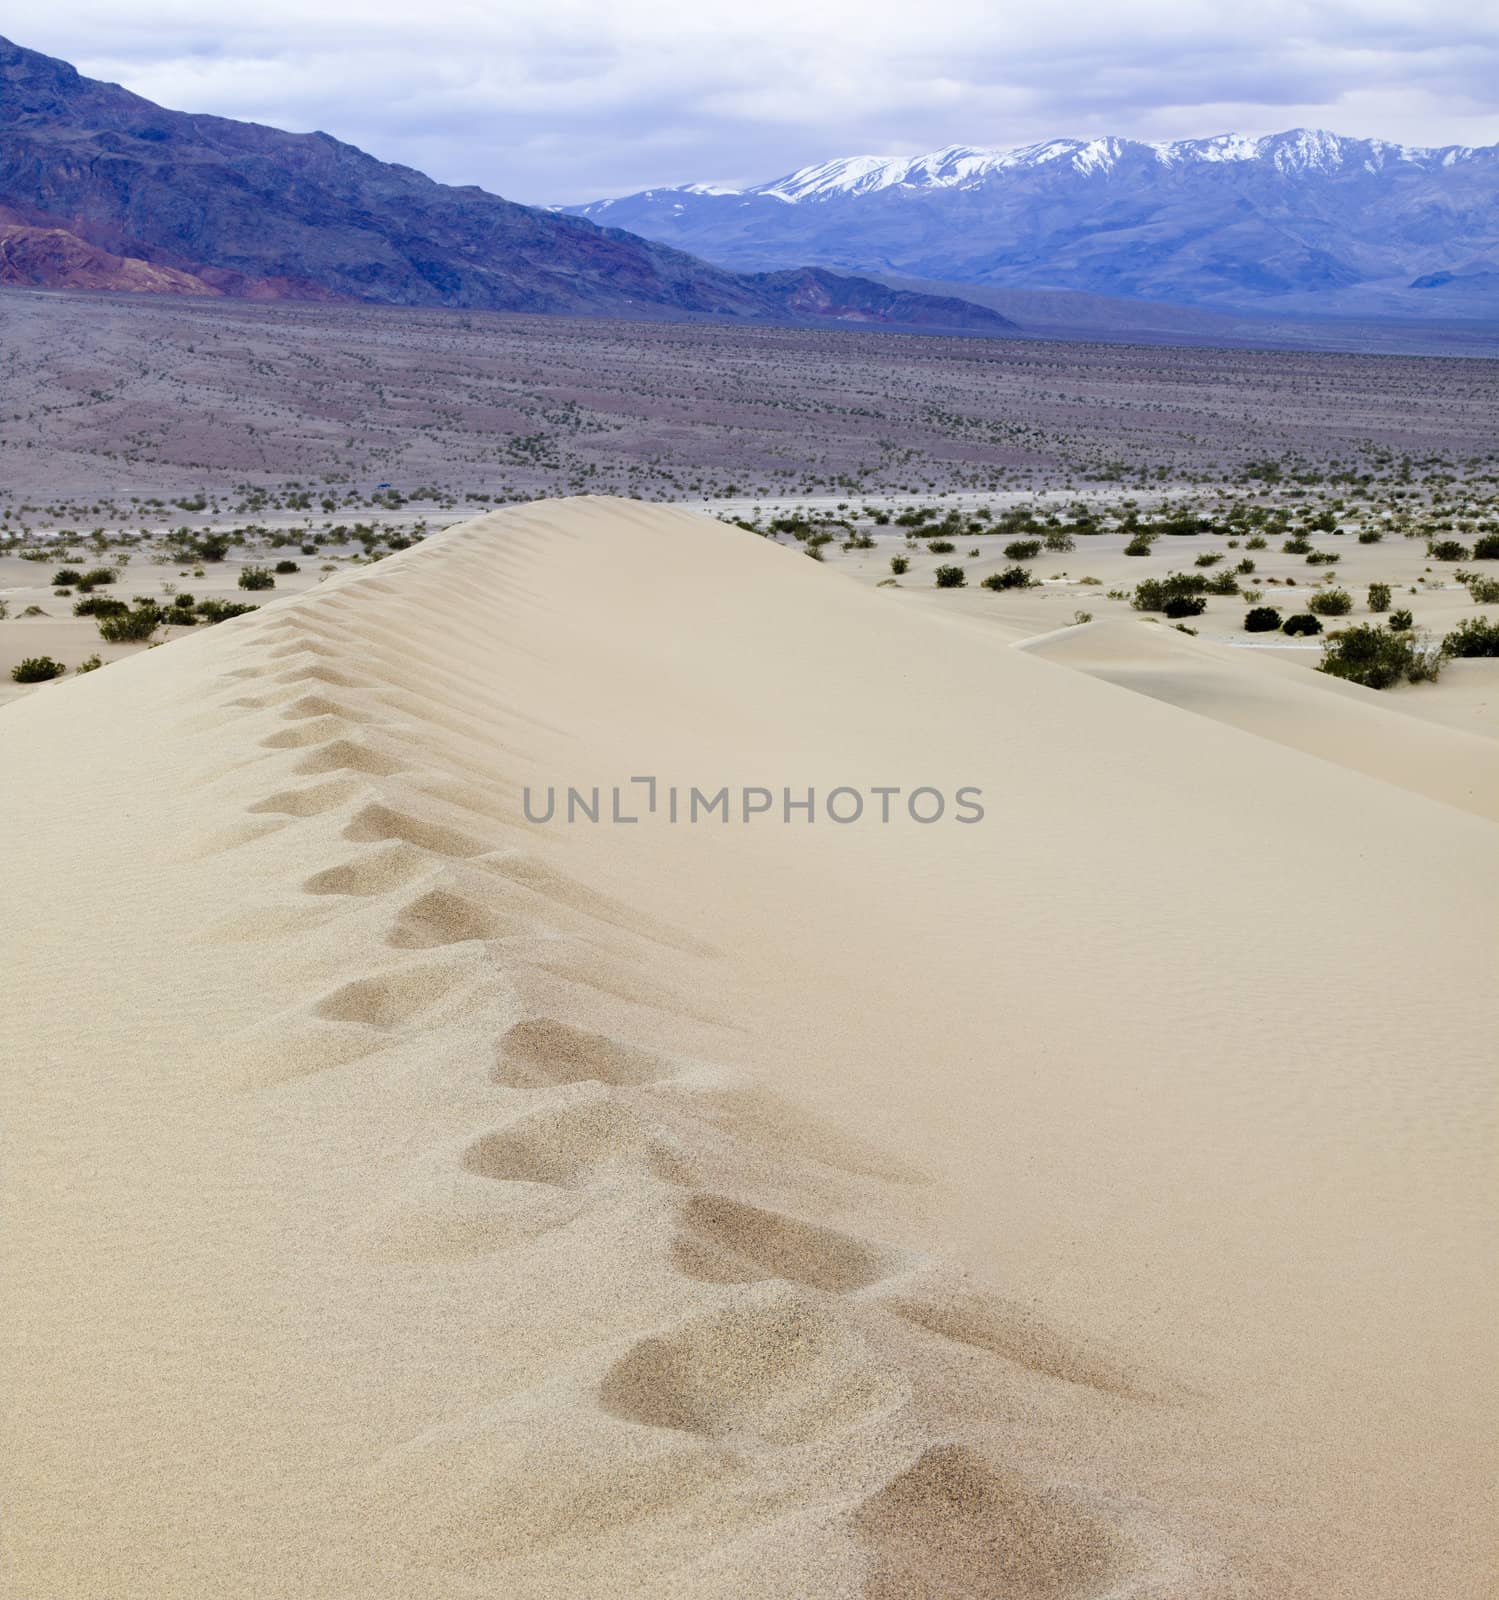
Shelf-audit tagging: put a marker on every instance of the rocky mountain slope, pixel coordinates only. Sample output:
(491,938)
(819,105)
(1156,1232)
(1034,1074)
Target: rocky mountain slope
(129,195)
(1303,221)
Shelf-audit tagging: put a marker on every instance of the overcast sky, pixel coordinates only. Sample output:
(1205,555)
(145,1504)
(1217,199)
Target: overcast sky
(565,100)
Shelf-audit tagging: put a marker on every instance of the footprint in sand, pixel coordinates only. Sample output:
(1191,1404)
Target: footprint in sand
(780,1372)
(720,1240)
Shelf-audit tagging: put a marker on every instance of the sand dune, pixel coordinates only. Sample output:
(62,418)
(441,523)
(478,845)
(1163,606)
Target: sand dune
(407,1198)
(1323,716)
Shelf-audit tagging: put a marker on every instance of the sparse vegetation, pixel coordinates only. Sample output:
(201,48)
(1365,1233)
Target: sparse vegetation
(1473,636)
(1330,603)
(1377,658)
(37,669)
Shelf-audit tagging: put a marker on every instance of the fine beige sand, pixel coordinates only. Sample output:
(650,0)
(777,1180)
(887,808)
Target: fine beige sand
(403,1199)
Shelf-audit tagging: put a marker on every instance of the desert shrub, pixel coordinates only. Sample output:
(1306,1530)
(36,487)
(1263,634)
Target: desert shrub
(1223,583)
(176,616)
(1323,558)
(92,664)
(1059,540)
(257,578)
(131,626)
(1297,545)
(1377,658)
(1009,578)
(98,577)
(1185,605)
(1447,550)
(211,547)
(1370,536)
(951,577)
(1302,622)
(1023,549)
(98,605)
(64,578)
(1331,603)
(899,564)
(1486,548)
(1256,541)
(940,547)
(1152,594)
(1262,619)
(1399,621)
(221,610)
(37,669)
(1138,546)
(1379,597)
(291,566)
(309,549)
(1181,627)
(1473,636)
(1245,567)
(1484,591)
(1208,558)
(1080,617)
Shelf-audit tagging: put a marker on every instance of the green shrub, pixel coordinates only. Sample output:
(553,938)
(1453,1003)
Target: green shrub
(1331,603)
(1484,591)
(1153,594)
(91,665)
(1224,583)
(258,578)
(951,577)
(221,610)
(1486,548)
(1473,636)
(1185,605)
(1323,558)
(130,627)
(1059,540)
(98,605)
(1010,578)
(1209,558)
(98,577)
(1379,597)
(1138,546)
(284,567)
(37,669)
(1023,549)
(1297,545)
(1302,622)
(1377,658)
(1255,541)
(1399,621)
(1245,567)
(1447,550)
(940,547)
(899,564)
(63,578)
(1370,536)
(1262,619)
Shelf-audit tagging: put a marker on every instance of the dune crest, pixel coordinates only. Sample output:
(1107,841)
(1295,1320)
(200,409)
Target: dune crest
(411,1200)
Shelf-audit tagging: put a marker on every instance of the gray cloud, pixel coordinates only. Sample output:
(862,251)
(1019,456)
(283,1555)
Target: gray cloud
(558,100)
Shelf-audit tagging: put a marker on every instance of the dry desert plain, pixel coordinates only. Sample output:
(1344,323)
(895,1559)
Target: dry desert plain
(407,1197)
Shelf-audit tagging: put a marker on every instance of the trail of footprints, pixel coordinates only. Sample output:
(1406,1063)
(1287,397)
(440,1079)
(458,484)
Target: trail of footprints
(778,1357)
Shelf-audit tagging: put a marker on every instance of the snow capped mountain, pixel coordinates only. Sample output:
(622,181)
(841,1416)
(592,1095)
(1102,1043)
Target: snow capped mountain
(964,166)
(1303,220)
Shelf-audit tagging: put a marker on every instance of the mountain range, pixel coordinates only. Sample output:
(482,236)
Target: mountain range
(102,189)
(1304,221)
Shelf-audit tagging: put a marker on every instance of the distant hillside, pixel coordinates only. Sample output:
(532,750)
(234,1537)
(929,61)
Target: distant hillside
(1299,222)
(102,189)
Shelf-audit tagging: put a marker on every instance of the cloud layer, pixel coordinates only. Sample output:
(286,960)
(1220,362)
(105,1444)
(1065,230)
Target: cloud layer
(562,100)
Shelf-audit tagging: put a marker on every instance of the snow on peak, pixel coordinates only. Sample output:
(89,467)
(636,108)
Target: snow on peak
(1299,151)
